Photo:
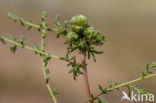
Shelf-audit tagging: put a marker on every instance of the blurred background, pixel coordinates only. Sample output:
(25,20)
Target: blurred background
(130,28)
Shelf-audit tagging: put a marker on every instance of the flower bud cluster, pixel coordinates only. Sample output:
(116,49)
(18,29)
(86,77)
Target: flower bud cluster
(80,34)
(83,33)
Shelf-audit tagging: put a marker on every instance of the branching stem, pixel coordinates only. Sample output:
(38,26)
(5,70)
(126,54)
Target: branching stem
(47,84)
(31,24)
(128,83)
(35,50)
(45,74)
(78,40)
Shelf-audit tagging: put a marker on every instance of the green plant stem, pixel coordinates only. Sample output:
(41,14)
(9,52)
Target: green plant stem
(35,50)
(45,74)
(25,22)
(86,81)
(36,26)
(31,24)
(47,84)
(128,83)
(11,16)
(28,23)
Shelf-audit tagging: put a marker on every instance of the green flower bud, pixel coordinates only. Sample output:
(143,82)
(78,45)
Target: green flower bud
(77,29)
(89,31)
(72,36)
(79,20)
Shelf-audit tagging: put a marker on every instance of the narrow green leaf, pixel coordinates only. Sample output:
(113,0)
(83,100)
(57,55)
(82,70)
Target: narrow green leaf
(96,52)
(153,65)
(13,49)
(44,33)
(47,71)
(35,46)
(47,80)
(101,100)
(129,91)
(22,21)
(2,40)
(46,59)
(110,82)
(49,29)
(55,92)
(147,67)
(11,16)
(104,90)
(143,73)
(44,15)
(94,58)
(29,27)
(22,38)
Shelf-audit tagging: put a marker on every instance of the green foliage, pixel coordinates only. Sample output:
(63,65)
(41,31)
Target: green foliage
(75,70)
(16,18)
(101,100)
(47,71)
(62,29)
(46,59)
(23,21)
(141,91)
(11,16)
(30,26)
(148,69)
(47,80)
(103,90)
(13,48)
(2,40)
(110,83)
(80,34)
(44,15)
(75,66)
(35,46)
(21,41)
(55,92)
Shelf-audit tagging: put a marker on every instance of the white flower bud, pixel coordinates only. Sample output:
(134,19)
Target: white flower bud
(79,20)
(72,35)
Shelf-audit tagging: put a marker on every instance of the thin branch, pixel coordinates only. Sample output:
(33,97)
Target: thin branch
(37,26)
(47,84)
(44,68)
(86,77)
(22,21)
(15,18)
(35,50)
(31,24)
(128,83)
